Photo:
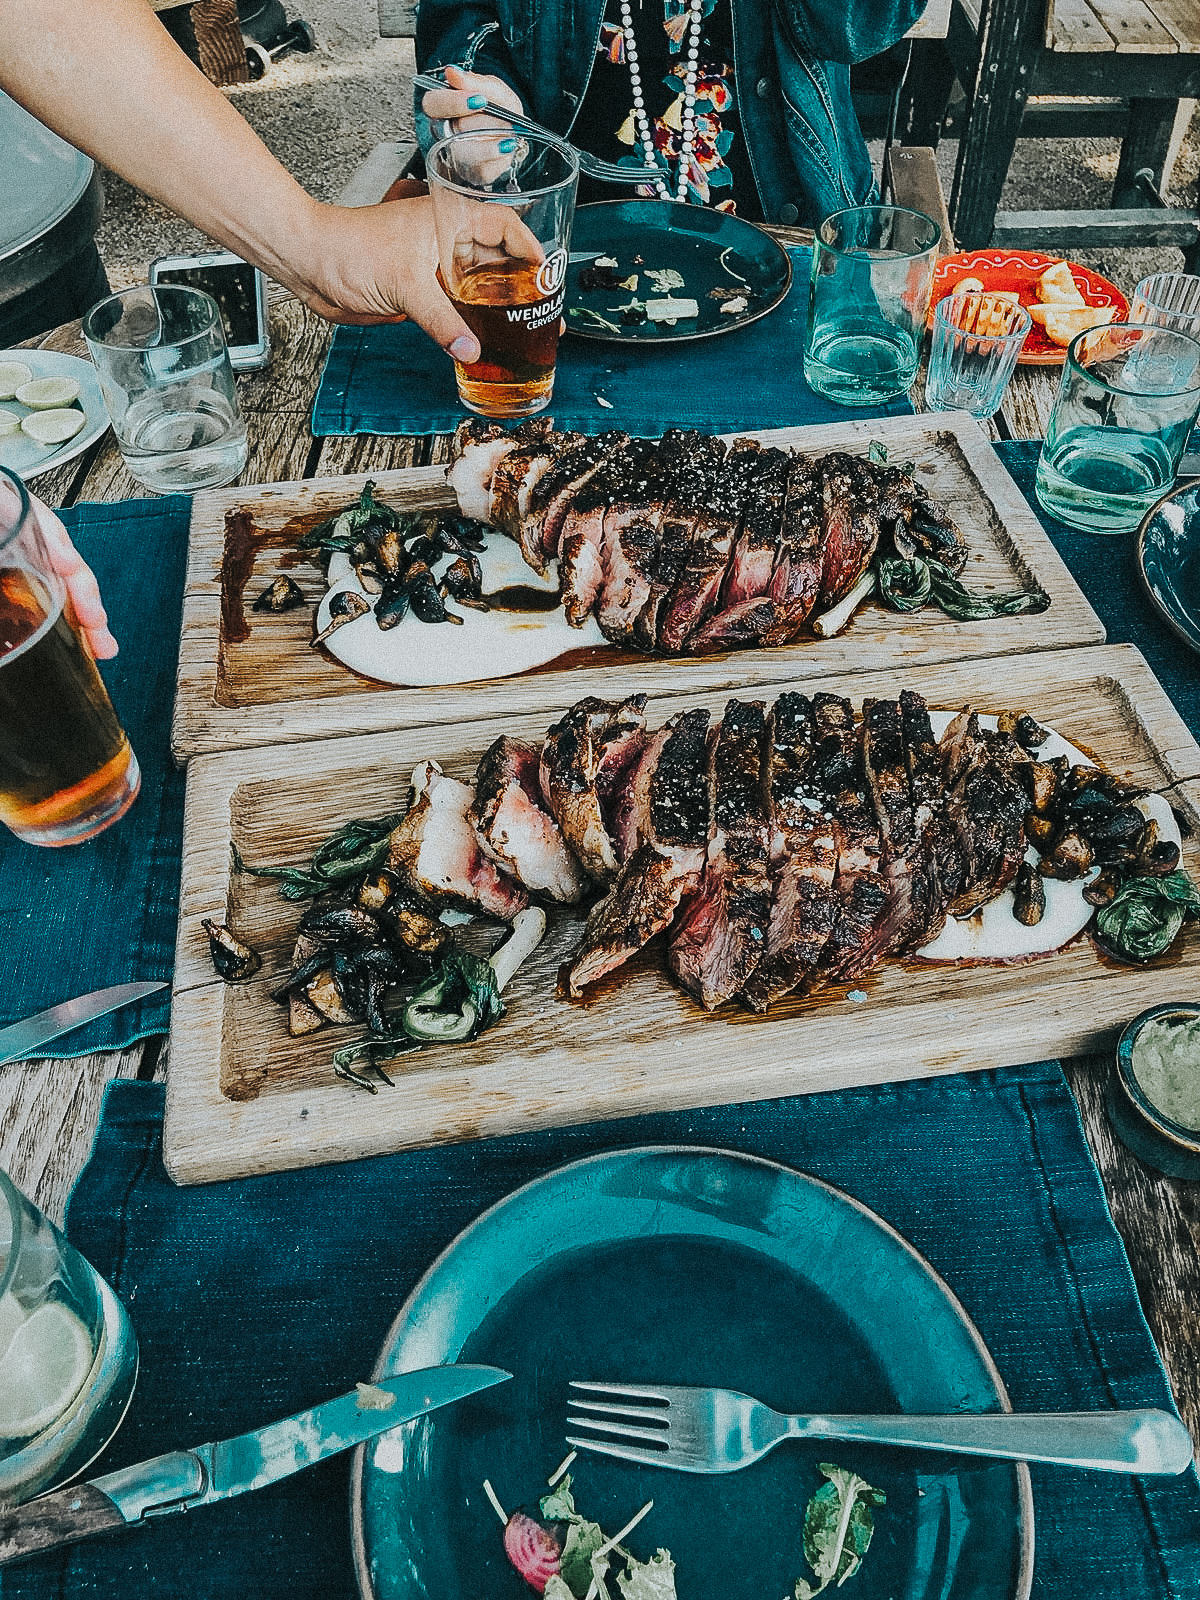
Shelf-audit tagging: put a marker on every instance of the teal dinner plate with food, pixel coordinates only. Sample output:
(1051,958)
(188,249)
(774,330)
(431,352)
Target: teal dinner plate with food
(688,1266)
(1168,554)
(654,272)
(20,450)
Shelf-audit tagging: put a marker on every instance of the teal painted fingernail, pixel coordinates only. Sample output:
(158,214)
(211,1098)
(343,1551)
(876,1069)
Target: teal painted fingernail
(507,146)
(476,102)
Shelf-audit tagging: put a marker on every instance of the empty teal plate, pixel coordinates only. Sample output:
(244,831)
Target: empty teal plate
(692,1266)
(710,250)
(1168,551)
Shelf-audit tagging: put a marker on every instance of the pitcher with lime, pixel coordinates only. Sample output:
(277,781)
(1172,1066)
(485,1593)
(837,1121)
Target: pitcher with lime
(68,1357)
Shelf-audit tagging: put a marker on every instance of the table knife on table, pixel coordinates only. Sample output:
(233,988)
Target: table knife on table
(184,1479)
(21,1039)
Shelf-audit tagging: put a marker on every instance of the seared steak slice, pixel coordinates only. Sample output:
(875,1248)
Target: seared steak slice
(581,562)
(721,935)
(850,500)
(736,628)
(555,491)
(630,547)
(667,863)
(987,809)
(478,449)
(436,850)
(887,775)
(757,482)
(592,735)
(508,817)
(796,577)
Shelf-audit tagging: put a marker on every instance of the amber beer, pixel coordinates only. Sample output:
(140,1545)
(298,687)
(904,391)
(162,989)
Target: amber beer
(514,309)
(66,767)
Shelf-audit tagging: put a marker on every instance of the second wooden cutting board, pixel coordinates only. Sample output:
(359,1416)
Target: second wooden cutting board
(244,1097)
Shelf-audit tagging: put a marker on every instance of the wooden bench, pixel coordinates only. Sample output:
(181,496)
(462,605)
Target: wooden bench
(1130,67)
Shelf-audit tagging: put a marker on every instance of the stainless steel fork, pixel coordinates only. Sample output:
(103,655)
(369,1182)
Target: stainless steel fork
(720,1430)
(605,171)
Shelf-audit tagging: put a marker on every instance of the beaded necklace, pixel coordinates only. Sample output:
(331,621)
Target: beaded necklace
(687,129)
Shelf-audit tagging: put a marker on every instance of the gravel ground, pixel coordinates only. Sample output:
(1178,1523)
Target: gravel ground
(322,113)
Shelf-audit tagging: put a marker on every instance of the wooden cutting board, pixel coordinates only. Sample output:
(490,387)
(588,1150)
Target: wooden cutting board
(270,687)
(244,1097)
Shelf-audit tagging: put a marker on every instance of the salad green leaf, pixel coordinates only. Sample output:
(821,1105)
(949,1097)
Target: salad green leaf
(648,1580)
(356,848)
(904,585)
(559,1504)
(838,1526)
(556,1589)
(1145,914)
(583,1540)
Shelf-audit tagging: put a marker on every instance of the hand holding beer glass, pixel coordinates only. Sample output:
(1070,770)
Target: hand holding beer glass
(66,767)
(502,208)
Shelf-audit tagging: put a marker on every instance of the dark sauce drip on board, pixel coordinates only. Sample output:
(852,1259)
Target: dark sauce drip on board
(243,541)
(523,597)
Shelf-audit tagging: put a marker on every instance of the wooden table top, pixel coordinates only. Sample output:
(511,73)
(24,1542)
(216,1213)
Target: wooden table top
(1134,27)
(49,1110)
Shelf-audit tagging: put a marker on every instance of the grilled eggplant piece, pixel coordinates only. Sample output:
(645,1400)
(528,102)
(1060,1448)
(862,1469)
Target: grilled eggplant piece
(346,606)
(233,960)
(281,594)
(1029,895)
(302,1018)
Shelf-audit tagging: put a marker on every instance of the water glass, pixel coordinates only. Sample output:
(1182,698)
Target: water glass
(503,206)
(1127,399)
(168,386)
(68,1356)
(976,341)
(1171,300)
(66,767)
(868,298)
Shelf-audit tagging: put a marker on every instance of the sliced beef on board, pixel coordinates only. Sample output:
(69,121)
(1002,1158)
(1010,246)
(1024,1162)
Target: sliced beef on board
(584,761)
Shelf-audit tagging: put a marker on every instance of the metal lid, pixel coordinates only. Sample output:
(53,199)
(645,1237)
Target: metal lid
(45,178)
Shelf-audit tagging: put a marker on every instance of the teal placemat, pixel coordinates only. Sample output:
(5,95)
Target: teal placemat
(393,379)
(104,912)
(255,1298)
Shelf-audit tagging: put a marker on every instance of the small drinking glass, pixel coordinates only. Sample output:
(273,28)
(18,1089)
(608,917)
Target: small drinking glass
(168,386)
(502,207)
(976,341)
(68,1356)
(1171,300)
(868,298)
(1127,399)
(66,766)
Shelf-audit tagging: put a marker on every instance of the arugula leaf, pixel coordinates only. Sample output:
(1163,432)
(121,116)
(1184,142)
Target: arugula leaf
(838,1526)
(583,1540)
(649,1580)
(1145,914)
(559,1504)
(356,848)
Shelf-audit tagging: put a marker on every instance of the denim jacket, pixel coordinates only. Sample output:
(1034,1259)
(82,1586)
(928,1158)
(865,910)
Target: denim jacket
(791,64)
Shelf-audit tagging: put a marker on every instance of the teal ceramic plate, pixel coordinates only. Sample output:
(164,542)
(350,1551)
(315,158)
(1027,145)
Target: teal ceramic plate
(709,250)
(683,1265)
(1169,560)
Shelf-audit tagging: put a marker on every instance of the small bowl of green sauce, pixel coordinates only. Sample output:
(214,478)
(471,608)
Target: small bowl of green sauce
(1153,1096)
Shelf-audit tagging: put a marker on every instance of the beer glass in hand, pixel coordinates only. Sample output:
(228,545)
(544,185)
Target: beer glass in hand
(66,768)
(502,207)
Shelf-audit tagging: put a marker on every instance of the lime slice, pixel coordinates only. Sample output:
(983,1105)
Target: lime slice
(46,1363)
(12,375)
(10,422)
(46,394)
(53,427)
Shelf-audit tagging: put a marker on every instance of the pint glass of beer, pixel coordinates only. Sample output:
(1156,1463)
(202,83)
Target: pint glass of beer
(66,768)
(503,206)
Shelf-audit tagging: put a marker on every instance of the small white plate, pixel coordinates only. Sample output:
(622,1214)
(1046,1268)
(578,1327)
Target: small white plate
(25,456)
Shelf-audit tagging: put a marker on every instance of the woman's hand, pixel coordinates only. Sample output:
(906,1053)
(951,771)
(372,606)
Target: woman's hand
(459,103)
(84,606)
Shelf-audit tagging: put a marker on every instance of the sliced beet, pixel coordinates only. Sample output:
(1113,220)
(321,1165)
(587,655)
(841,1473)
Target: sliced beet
(533,1549)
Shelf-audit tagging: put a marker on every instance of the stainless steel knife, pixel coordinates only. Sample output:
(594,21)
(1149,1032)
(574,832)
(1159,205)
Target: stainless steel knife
(185,1479)
(22,1038)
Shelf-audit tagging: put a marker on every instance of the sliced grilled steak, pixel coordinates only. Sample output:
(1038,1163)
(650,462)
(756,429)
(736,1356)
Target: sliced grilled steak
(852,525)
(796,577)
(436,850)
(514,829)
(721,935)
(583,759)
(667,863)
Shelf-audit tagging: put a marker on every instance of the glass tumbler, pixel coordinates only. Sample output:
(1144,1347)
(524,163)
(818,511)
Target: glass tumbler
(68,1356)
(503,206)
(868,298)
(66,766)
(159,350)
(1171,300)
(976,341)
(1127,399)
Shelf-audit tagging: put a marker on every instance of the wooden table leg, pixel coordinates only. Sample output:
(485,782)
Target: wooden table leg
(1153,140)
(1009,39)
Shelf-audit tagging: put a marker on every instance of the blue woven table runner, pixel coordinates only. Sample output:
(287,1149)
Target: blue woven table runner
(255,1298)
(393,379)
(104,912)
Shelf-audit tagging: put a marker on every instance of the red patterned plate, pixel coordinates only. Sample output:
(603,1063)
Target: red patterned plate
(1020,270)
